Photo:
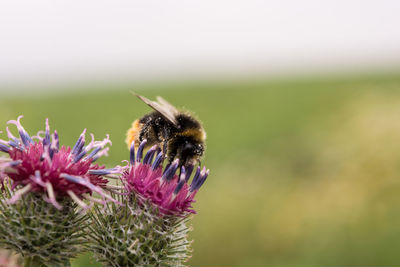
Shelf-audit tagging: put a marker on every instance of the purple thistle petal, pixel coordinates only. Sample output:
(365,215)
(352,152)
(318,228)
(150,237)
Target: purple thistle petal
(101,172)
(79,144)
(54,145)
(195,178)
(169,174)
(57,140)
(183,174)
(140,150)
(80,156)
(157,161)
(14,163)
(103,152)
(46,139)
(132,153)
(26,139)
(4,148)
(79,180)
(203,176)
(182,181)
(117,169)
(166,167)
(94,152)
(51,153)
(88,184)
(148,158)
(189,170)
(46,154)
(15,144)
(198,181)
(98,146)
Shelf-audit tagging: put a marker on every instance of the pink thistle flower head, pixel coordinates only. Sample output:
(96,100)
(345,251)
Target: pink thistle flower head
(171,193)
(42,166)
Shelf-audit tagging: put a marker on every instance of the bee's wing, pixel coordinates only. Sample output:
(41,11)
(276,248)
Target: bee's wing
(164,110)
(167,105)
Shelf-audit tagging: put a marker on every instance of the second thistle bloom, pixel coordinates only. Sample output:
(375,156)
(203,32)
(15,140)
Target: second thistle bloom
(151,228)
(171,193)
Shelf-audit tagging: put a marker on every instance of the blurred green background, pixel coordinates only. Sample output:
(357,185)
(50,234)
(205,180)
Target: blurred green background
(304,172)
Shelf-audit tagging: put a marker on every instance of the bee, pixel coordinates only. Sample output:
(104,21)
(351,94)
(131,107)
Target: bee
(177,133)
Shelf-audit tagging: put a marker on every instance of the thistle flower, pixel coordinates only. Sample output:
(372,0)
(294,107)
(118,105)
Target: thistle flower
(44,187)
(44,167)
(171,193)
(150,228)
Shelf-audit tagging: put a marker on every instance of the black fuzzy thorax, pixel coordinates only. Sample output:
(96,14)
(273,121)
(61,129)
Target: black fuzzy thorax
(157,130)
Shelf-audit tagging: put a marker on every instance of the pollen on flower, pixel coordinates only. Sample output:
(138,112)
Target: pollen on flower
(42,166)
(170,192)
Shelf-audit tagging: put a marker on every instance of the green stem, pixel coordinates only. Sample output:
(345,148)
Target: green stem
(32,262)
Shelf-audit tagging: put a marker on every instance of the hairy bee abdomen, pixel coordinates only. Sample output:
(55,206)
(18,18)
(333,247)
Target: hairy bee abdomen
(133,134)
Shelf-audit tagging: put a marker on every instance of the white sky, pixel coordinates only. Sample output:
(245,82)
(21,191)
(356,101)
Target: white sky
(53,40)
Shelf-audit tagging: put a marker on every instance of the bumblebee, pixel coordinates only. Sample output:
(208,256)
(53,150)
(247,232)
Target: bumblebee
(177,133)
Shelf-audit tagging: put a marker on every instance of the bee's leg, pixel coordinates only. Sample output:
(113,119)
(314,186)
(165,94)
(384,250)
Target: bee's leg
(164,148)
(144,132)
(164,140)
(171,156)
(164,151)
(164,155)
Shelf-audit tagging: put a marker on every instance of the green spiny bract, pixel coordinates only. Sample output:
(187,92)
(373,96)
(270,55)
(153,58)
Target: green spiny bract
(136,235)
(40,232)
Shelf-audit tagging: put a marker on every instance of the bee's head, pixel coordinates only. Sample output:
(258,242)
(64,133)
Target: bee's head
(191,153)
